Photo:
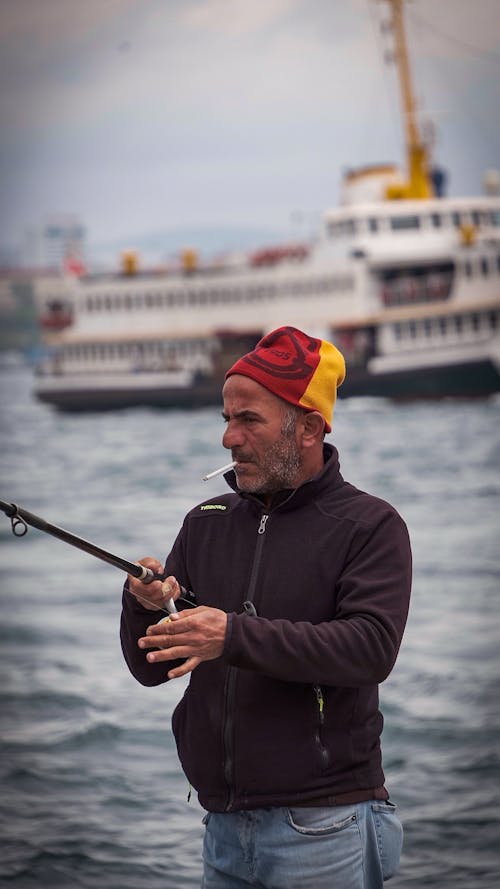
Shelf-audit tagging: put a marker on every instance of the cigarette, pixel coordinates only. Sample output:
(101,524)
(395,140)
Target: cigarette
(220,471)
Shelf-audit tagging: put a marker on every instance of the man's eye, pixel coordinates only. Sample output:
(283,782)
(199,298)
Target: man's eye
(242,419)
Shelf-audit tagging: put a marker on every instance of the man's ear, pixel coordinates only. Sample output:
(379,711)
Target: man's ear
(313,428)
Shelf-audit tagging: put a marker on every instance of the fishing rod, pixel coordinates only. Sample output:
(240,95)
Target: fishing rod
(20,519)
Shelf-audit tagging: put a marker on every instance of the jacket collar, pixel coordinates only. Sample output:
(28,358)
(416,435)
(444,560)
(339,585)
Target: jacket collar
(328,477)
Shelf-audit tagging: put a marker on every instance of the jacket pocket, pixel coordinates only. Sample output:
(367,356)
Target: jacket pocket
(322,749)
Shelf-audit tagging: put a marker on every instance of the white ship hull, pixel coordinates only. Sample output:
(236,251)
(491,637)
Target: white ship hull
(416,313)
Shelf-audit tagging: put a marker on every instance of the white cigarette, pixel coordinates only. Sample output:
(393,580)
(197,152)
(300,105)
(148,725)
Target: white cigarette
(220,471)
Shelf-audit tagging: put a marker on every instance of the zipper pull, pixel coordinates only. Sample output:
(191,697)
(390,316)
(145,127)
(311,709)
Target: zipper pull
(262,526)
(321,702)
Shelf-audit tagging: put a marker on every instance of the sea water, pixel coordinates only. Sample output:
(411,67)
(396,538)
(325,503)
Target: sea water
(92,794)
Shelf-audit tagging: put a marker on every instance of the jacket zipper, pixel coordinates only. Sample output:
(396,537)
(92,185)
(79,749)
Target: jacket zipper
(263,521)
(323,751)
(229,689)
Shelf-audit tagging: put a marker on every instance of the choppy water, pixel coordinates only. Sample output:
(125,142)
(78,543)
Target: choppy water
(91,791)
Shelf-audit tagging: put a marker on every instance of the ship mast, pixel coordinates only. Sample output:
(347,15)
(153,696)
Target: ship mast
(418,184)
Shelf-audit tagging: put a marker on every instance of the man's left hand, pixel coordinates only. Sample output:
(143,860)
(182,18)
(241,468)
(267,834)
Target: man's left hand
(196,634)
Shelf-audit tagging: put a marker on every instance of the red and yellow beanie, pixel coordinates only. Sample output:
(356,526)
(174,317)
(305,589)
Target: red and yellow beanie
(299,368)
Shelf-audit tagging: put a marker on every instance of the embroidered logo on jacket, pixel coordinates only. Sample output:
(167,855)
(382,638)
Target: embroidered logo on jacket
(213,506)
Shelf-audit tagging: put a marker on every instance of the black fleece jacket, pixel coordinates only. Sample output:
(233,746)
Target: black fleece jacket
(289,713)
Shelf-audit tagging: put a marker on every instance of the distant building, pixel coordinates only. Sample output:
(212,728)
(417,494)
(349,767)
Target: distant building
(55,244)
(35,305)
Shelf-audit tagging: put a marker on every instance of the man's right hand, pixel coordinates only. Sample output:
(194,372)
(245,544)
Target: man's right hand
(155,595)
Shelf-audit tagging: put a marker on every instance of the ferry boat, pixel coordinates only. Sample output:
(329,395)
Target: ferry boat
(405,281)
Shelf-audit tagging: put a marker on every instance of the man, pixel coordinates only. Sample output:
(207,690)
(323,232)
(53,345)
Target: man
(302,587)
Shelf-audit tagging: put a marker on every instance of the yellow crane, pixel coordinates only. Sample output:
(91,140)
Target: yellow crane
(418,183)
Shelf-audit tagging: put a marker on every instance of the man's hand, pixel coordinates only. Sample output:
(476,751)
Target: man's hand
(155,595)
(197,634)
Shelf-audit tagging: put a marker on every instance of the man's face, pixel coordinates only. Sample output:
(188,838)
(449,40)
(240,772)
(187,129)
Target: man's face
(260,438)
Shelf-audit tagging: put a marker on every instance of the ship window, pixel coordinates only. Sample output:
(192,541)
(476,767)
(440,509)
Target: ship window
(373,224)
(458,323)
(442,325)
(404,222)
(476,217)
(498,262)
(437,220)
(455,218)
(484,266)
(493,320)
(495,217)
(476,321)
(468,268)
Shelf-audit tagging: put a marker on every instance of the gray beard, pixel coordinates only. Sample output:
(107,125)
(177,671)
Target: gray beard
(279,468)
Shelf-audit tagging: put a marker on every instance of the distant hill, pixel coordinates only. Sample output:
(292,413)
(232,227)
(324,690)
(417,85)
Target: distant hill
(209,241)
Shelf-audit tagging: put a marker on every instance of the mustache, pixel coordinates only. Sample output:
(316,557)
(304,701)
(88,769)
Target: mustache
(240,457)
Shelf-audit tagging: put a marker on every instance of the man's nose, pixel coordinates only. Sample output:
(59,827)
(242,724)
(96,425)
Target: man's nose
(233,436)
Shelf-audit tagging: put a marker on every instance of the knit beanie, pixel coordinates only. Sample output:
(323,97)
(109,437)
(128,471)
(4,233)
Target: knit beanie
(299,368)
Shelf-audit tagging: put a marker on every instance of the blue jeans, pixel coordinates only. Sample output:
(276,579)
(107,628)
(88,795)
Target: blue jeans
(338,847)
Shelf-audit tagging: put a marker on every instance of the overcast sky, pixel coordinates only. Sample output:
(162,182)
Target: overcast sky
(139,115)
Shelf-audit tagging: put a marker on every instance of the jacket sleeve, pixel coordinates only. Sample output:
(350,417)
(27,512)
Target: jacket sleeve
(134,621)
(360,645)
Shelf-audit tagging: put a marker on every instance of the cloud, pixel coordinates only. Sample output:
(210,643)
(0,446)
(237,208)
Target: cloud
(51,23)
(193,108)
(236,17)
